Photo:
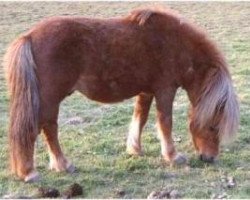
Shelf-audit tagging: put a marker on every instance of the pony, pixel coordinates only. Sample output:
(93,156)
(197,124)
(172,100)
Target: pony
(149,53)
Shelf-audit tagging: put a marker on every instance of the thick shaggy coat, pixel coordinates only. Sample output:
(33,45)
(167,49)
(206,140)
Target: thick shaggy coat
(149,54)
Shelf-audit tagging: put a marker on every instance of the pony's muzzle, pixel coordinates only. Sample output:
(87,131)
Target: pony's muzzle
(206,158)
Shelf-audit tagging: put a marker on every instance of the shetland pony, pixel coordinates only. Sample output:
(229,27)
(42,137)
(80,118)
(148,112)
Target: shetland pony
(148,54)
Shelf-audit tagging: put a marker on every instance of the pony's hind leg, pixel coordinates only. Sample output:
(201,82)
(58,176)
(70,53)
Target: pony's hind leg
(164,104)
(140,115)
(58,162)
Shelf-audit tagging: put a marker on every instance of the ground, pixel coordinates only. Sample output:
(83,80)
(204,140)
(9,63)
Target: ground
(93,135)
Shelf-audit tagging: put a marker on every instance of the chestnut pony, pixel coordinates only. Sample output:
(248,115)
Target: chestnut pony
(148,54)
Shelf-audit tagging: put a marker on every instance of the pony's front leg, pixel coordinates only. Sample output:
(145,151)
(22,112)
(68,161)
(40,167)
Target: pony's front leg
(140,115)
(58,162)
(164,104)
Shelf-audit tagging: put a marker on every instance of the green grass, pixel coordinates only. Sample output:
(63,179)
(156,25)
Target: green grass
(97,144)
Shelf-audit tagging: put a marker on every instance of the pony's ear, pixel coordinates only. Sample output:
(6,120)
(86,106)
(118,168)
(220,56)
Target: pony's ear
(143,16)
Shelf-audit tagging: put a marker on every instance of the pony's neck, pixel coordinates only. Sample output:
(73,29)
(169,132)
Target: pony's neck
(194,82)
(200,67)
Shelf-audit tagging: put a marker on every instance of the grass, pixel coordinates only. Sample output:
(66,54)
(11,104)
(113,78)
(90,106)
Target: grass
(96,144)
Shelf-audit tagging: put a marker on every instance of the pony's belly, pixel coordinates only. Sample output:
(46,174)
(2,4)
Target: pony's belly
(105,91)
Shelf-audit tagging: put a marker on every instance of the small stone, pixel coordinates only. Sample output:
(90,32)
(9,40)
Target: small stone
(240,168)
(10,196)
(153,195)
(223,178)
(187,168)
(227,150)
(213,184)
(174,194)
(177,139)
(231,183)
(164,194)
(74,121)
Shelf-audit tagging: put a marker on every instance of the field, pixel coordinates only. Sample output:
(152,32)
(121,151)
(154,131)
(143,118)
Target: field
(93,135)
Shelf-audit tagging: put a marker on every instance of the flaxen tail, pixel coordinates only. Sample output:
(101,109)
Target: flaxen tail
(24,103)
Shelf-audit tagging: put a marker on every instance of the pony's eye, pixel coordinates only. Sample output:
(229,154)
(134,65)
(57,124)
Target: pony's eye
(213,129)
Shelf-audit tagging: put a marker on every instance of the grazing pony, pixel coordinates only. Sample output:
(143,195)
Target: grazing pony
(148,54)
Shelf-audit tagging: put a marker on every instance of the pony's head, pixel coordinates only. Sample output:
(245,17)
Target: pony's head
(206,139)
(215,115)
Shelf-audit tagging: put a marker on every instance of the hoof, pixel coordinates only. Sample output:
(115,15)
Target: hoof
(32,177)
(61,166)
(179,159)
(71,169)
(133,151)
